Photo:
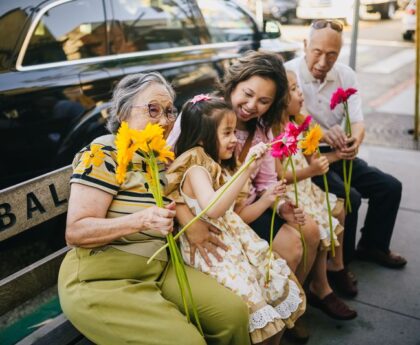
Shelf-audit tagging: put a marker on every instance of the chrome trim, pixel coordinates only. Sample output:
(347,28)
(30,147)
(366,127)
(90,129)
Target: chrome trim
(129,55)
(32,29)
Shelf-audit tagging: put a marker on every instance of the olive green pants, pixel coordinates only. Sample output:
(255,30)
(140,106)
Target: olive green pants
(114,297)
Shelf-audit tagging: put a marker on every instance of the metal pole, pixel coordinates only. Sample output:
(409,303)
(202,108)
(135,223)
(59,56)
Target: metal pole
(354,34)
(259,12)
(417,89)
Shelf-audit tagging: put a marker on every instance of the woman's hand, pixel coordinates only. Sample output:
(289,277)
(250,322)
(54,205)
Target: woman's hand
(157,218)
(318,165)
(275,190)
(258,151)
(292,214)
(201,236)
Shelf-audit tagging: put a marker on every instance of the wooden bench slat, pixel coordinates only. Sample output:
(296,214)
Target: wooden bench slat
(58,331)
(30,281)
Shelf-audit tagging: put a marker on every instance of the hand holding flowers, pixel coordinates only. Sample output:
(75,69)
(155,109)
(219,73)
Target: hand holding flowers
(318,165)
(273,192)
(256,153)
(158,219)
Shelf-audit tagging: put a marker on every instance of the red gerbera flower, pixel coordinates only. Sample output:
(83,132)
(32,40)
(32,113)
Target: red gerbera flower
(305,124)
(284,146)
(341,96)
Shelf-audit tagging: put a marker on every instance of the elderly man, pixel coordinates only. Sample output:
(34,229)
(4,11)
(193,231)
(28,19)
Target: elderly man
(319,75)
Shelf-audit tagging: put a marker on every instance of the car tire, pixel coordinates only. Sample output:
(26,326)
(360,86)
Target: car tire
(388,10)
(407,36)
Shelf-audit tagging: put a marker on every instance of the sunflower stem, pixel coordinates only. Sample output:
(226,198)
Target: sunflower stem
(189,291)
(177,260)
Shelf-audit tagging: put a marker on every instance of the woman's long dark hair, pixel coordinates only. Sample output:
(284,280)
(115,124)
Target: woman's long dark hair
(199,123)
(265,65)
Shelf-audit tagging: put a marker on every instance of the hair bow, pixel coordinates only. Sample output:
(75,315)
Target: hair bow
(200,98)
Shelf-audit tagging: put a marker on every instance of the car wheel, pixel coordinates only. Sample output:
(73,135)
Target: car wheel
(388,11)
(408,35)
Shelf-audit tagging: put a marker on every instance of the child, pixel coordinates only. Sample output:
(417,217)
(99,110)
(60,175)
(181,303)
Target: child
(205,151)
(313,200)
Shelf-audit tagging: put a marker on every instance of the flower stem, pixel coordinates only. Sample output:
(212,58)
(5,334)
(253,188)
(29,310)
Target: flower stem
(348,123)
(177,260)
(302,238)
(178,274)
(270,250)
(349,184)
(346,185)
(327,195)
(276,202)
(189,291)
(347,178)
(206,209)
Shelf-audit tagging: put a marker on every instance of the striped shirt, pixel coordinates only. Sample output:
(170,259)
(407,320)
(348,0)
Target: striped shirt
(95,166)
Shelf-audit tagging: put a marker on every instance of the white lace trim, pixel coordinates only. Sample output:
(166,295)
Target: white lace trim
(262,317)
(291,303)
(267,314)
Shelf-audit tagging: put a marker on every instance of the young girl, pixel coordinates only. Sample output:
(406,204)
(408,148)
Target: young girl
(313,200)
(256,87)
(205,152)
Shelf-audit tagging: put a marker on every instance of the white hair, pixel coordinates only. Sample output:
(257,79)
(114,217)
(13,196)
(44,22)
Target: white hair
(126,91)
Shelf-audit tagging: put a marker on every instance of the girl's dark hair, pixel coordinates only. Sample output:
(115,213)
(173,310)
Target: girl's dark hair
(265,65)
(199,123)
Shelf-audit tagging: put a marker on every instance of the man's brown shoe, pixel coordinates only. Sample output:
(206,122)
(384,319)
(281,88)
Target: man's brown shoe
(342,282)
(332,306)
(386,259)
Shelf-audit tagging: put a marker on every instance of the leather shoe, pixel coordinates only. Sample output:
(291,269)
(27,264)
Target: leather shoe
(299,334)
(332,306)
(342,282)
(386,259)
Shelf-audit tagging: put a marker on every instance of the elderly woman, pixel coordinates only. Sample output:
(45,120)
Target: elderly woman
(106,288)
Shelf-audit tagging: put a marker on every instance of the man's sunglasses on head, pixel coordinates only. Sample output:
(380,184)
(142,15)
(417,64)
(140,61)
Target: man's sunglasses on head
(323,23)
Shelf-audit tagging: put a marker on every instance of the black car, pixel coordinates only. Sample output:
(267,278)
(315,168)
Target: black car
(60,59)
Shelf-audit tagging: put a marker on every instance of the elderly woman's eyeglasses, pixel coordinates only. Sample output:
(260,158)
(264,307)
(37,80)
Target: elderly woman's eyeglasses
(156,111)
(323,23)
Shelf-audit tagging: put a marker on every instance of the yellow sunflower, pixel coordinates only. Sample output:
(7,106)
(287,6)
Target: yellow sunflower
(125,150)
(166,154)
(150,138)
(311,141)
(93,156)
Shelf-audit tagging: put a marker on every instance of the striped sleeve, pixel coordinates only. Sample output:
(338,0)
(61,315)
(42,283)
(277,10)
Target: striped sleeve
(95,166)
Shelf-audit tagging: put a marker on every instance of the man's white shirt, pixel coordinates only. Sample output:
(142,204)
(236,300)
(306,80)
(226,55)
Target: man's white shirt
(317,94)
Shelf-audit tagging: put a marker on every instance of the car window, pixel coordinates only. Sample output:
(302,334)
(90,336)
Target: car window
(141,25)
(11,24)
(226,22)
(70,31)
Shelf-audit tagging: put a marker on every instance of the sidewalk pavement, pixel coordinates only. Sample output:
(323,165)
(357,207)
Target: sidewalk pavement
(388,302)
